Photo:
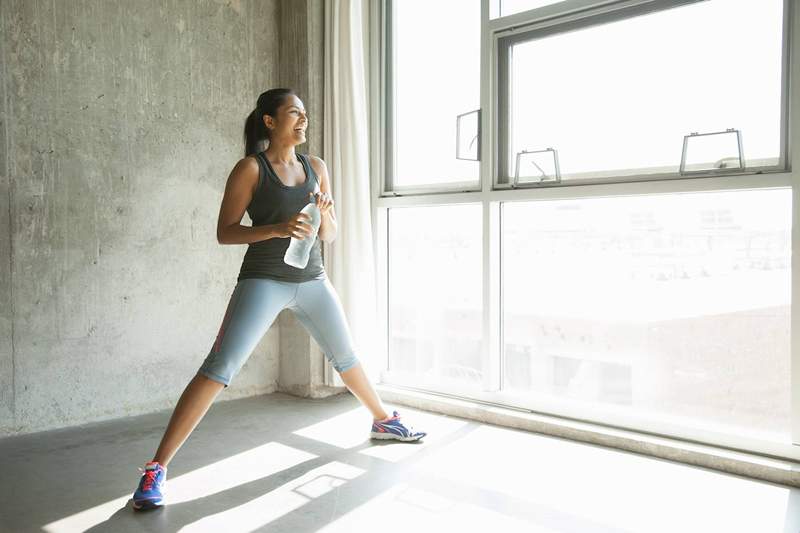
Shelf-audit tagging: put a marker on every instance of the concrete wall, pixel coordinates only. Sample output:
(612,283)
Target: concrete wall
(120,124)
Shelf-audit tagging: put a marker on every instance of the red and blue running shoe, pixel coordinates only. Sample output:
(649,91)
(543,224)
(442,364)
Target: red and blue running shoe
(149,494)
(392,428)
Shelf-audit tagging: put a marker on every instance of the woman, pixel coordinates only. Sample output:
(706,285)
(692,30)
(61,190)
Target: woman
(273,186)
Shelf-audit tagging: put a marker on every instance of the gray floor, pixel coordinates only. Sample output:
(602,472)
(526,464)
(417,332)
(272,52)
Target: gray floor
(279,463)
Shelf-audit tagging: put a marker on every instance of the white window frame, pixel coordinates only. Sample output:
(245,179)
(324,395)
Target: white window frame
(491,194)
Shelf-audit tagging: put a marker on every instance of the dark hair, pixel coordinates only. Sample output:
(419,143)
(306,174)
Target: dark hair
(256,133)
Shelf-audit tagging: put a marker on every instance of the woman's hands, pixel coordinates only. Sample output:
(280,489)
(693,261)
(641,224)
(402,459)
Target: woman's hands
(324,202)
(299,227)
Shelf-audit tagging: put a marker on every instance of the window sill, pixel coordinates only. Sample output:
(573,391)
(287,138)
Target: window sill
(753,466)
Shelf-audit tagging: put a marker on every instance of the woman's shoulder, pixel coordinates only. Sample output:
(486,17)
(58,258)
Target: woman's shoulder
(248,170)
(312,158)
(247,164)
(250,161)
(317,163)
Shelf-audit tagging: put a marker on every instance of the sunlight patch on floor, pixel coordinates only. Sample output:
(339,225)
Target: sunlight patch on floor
(260,511)
(404,508)
(608,487)
(250,465)
(347,430)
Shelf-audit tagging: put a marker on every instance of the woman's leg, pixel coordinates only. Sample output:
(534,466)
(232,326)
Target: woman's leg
(192,405)
(358,383)
(319,309)
(252,308)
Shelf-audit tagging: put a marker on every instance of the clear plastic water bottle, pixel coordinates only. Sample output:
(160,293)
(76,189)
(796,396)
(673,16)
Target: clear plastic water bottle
(299,249)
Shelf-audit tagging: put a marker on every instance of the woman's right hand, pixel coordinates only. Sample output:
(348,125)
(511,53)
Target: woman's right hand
(299,227)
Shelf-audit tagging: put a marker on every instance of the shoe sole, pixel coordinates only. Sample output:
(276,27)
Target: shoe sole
(147,504)
(393,436)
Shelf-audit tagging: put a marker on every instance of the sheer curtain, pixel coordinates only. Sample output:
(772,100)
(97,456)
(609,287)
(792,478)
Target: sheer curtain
(349,260)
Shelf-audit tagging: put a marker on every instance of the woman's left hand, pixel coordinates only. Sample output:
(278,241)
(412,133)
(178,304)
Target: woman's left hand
(324,202)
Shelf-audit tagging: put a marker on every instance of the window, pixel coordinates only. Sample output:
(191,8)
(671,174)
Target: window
(615,99)
(435,311)
(437,78)
(640,299)
(669,305)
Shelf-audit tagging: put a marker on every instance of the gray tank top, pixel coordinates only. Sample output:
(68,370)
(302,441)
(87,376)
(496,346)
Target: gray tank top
(273,203)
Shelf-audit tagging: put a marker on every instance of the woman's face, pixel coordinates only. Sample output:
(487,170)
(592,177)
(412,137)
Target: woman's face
(289,127)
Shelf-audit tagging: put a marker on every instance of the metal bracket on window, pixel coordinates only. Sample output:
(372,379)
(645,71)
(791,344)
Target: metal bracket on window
(557,179)
(720,164)
(477,137)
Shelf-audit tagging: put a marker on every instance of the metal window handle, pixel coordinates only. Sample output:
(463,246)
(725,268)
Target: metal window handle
(515,183)
(720,164)
(477,136)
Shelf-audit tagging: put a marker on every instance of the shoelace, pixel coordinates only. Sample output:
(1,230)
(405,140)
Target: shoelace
(149,478)
(408,428)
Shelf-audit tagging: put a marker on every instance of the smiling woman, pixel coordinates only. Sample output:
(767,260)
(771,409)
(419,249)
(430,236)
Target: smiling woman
(282,182)
(272,185)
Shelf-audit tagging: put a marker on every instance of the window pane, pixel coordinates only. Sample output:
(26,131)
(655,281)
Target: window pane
(435,317)
(668,305)
(437,78)
(503,8)
(618,98)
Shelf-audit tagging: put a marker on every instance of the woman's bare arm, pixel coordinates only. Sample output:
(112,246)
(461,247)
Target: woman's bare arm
(328,228)
(239,191)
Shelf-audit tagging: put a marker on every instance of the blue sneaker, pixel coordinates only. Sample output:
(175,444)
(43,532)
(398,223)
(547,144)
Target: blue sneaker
(148,495)
(392,428)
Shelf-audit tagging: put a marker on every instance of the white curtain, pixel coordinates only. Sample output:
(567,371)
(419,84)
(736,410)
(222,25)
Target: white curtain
(349,260)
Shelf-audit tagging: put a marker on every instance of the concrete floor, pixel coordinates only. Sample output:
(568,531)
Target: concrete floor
(280,463)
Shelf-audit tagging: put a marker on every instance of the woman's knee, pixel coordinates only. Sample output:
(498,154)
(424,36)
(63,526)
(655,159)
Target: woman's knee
(345,364)
(212,379)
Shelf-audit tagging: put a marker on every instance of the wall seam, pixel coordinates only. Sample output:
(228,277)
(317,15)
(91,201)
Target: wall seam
(6,114)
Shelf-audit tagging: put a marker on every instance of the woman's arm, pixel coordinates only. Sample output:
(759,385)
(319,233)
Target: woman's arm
(328,227)
(239,191)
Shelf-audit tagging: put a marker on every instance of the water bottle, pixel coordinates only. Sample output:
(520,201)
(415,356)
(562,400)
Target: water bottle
(299,249)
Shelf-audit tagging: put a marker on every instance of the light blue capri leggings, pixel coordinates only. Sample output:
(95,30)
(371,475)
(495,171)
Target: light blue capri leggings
(252,309)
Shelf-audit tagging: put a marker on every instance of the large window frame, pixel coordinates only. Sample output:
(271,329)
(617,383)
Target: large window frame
(492,192)
(506,37)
